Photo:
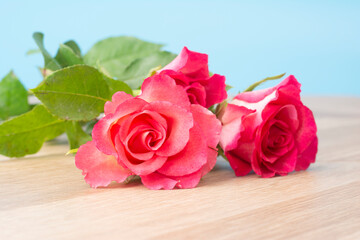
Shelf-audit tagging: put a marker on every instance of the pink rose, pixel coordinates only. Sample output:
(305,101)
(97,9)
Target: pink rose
(190,70)
(269,131)
(158,135)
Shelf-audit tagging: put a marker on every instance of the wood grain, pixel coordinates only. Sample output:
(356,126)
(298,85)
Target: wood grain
(45,197)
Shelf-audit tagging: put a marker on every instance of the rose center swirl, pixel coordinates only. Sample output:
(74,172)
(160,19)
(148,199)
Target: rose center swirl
(143,134)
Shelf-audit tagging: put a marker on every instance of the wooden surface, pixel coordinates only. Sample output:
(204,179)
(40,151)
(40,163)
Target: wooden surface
(45,197)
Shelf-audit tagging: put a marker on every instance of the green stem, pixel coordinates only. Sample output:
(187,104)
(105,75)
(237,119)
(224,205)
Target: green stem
(253,86)
(221,153)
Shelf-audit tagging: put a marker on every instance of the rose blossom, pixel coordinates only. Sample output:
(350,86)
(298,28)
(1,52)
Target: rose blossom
(158,135)
(269,131)
(190,70)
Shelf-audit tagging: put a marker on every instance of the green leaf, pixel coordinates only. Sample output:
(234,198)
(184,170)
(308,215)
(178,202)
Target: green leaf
(33,51)
(88,126)
(228,87)
(67,57)
(253,86)
(116,86)
(219,110)
(74,46)
(26,133)
(76,134)
(116,53)
(75,93)
(139,69)
(72,151)
(50,62)
(13,97)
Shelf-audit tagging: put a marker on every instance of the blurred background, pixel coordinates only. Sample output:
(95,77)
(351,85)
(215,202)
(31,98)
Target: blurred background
(317,41)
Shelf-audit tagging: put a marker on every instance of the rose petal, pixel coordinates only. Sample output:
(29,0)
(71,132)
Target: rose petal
(233,126)
(215,90)
(136,146)
(289,116)
(240,166)
(135,165)
(211,128)
(257,106)
(136,124)
(212,154)
(190,63)
(156,181)
(117,99)
(179,122)
(150,118)
(283,164)
(307,131)
(273,129)
(308,156)
(290,87)
(101,133)
(233,112)
(259,168)
(254,99)
(99,169)
(208,123)
(188,181)
(196,93)
(190,159)
(180,78)
(230,135)
(163,88)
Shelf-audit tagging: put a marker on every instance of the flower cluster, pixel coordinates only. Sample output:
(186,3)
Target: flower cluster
(169,138)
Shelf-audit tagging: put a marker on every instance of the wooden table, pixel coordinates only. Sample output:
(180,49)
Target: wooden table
(45,197)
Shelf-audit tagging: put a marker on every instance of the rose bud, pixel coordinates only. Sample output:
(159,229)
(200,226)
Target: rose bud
(190,70)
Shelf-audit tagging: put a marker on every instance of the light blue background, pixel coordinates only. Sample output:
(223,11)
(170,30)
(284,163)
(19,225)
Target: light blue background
(317,41)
